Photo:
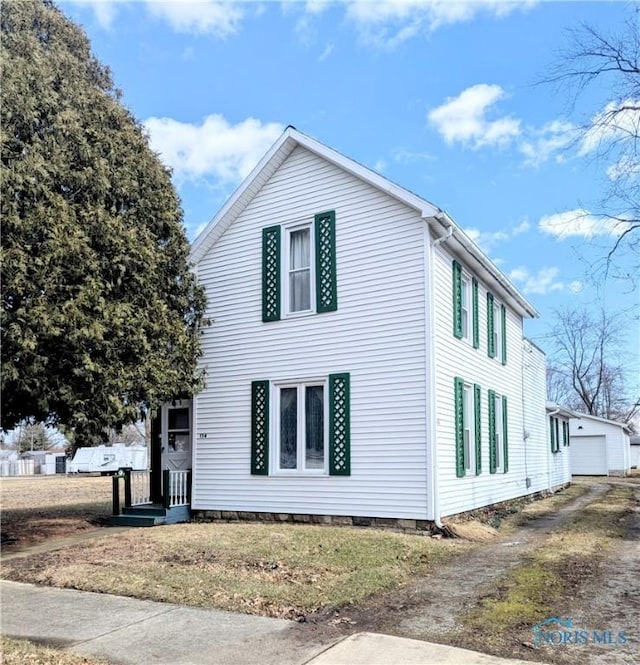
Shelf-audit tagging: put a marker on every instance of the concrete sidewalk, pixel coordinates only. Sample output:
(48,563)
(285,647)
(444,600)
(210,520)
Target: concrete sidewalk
(126,631)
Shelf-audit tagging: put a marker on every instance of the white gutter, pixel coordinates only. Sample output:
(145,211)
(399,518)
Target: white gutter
(524,307)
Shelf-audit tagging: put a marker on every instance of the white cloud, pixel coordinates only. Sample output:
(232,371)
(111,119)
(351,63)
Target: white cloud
(404,155)
(580,223)
(388,23)
(542,144)
(464,119)
(487,240)
(104,11)
(380,166)
(543,282)
(618,121)
(214,148)
(328,49)
(211,17)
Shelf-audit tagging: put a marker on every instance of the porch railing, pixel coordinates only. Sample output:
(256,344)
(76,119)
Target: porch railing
(139,487)
(176,488)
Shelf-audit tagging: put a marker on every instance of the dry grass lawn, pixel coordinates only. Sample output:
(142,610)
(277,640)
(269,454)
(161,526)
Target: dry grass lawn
(38,508)
(22,652)
(281,570)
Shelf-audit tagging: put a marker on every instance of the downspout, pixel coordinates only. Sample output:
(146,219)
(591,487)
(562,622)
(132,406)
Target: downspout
(430,376)
(526,435)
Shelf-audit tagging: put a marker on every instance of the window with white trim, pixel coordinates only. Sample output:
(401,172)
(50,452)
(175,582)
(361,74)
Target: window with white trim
(298,257)
(497,329)
(300,427)
(499,433)
(468,429)
(465,306)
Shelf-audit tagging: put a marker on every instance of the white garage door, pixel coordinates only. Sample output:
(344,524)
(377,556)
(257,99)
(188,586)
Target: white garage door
(588,456)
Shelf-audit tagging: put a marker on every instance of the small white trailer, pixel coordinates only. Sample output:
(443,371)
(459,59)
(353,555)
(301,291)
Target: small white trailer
(109,459)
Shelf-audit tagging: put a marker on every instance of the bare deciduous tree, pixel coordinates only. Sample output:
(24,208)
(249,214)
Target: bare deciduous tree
(595,60)
(586,371)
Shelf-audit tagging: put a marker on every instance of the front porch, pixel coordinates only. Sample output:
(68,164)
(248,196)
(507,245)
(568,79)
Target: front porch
(141,504)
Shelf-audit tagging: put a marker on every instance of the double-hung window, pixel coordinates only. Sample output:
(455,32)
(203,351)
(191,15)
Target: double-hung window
(498,433)
(301,432)
(496,329)
(465,288)
(465,306)
(467,428)
(299,267)
(299,286)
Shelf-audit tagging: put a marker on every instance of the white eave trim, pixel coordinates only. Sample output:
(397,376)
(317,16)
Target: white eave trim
(587,416)
(278,152)
(462,246)
(284,146)
(552,409)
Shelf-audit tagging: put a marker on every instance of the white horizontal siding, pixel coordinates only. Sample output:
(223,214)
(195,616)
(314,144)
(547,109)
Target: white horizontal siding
(377,335)
(545,468)
(458,358)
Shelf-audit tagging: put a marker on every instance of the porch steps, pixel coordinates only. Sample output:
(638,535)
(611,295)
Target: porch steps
(151,515)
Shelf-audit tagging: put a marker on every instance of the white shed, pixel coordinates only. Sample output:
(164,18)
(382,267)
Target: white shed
(634,460)
(599,447)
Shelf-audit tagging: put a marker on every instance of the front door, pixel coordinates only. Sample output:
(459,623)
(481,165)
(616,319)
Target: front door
(176,435)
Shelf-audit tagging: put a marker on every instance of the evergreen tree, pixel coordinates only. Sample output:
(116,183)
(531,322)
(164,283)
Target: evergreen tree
(30,436)
(100,312)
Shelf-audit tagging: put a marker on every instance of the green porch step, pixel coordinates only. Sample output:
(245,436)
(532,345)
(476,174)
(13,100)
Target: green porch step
(151,515)
(137,520)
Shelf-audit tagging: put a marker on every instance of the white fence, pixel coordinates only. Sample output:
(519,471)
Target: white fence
(21,467)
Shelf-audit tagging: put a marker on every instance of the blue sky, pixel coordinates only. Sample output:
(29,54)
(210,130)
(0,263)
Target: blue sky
(440,97)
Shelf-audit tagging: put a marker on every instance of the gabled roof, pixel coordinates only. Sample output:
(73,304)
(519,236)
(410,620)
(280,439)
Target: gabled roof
(586,416)
(439,221)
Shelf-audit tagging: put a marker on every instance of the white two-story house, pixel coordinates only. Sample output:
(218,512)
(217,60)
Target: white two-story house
(365,359)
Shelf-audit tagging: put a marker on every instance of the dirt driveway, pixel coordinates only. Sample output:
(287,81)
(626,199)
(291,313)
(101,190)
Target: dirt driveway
(603,596)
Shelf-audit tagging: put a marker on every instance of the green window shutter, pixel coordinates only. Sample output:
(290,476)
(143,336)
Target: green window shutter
(260,428)
(491,344)
(491,409)
(339,425)
(557,435)
(503,337)
(552,431)
(271,274)
(565,432)
(505,436)
(457,300)
(476,314)
(477,412)
(458,401)
(326,278)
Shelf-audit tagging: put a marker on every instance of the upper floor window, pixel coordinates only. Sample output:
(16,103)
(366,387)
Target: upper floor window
(496,329)
(299,268)
(465,306)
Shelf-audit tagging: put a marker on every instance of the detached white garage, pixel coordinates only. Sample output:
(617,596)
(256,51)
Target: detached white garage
(599,447)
